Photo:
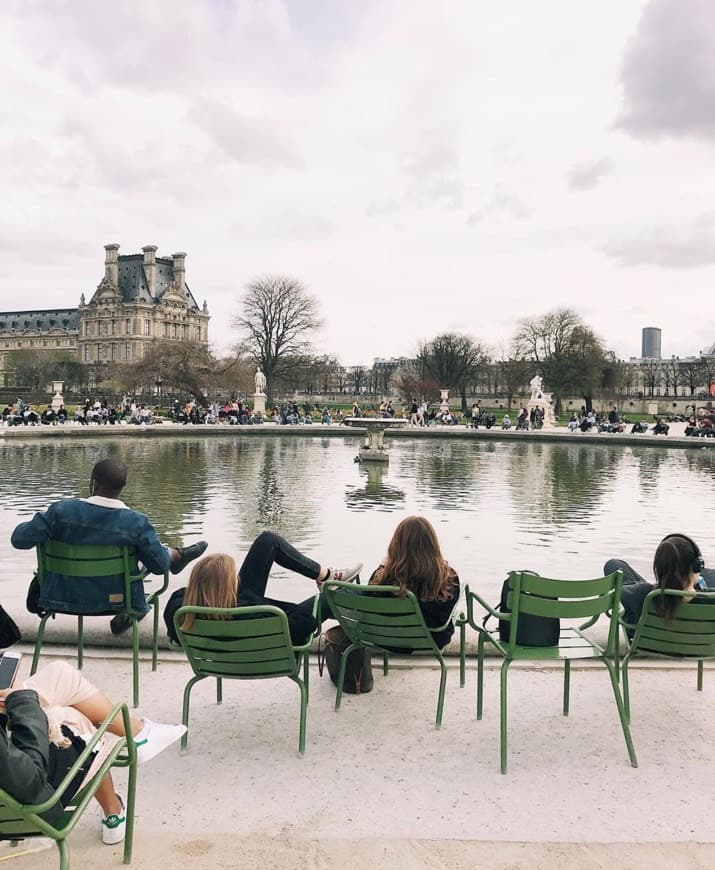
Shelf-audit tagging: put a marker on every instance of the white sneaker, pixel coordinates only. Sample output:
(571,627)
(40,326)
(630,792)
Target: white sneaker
(154,738)
(344,575)
(114,826)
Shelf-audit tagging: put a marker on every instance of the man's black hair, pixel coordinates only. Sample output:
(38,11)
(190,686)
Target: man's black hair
(110,475)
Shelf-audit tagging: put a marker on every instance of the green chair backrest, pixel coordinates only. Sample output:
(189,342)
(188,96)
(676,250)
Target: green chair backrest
(564,599)
(256,645)
(84,561)
(376,616)
(87,562)
(690,633)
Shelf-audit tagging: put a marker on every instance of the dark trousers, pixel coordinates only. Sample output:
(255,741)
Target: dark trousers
(269,549)
(630,576)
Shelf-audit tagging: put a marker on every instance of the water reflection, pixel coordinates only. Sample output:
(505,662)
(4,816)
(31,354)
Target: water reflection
(496,505)
(554,488)
(377,491)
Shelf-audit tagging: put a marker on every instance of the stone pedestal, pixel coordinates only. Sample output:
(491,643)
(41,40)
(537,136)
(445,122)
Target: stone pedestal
(373,450)
(259,403)
(543,401)
(58,399)
(443,403)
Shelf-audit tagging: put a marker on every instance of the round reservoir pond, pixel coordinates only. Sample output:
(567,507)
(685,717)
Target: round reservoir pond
(559,509)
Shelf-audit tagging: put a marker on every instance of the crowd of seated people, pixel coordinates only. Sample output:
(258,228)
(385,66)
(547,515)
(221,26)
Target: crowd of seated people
(20,414)
(701,425)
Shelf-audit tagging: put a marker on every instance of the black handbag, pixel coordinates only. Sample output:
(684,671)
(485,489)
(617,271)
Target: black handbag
(533,630)
(9,632)
(358,668)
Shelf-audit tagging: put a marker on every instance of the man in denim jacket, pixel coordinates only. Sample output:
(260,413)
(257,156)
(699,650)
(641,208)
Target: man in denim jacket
(101,519)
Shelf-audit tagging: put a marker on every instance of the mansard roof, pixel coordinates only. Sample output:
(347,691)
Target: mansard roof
(43,320)
(133,285)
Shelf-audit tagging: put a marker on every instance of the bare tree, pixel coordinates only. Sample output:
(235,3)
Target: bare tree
(182,367)
(514,372)
(651,375)
(566,350)
(452,362)
(277,319)
(693,375)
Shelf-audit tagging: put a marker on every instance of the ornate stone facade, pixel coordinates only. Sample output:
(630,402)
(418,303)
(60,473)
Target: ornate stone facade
(141,297)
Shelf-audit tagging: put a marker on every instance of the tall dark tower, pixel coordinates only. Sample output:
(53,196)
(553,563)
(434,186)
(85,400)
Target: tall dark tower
(650,348)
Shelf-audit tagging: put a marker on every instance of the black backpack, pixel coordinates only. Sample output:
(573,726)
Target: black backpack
(533,630)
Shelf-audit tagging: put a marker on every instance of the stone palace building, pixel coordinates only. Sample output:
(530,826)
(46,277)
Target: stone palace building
(141,297)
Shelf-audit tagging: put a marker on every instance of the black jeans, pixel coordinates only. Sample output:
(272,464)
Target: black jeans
(269,549)
(630,576)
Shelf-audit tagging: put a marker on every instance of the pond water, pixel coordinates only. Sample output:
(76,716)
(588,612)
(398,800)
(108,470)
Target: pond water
(559,509)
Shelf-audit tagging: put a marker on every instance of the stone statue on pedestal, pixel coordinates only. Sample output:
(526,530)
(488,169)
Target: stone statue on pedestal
(536,384)
(260,383)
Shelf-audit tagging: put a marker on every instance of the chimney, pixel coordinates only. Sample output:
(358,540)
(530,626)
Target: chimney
(150,268)
(111,265)
(179,267)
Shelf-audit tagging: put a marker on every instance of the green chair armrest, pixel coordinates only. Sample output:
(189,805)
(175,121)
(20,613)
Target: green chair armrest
(38,809)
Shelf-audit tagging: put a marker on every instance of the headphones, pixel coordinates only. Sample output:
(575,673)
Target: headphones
(698,563)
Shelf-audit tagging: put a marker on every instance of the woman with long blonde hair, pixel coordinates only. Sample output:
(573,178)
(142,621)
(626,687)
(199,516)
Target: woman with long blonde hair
(415,563)
(214,582)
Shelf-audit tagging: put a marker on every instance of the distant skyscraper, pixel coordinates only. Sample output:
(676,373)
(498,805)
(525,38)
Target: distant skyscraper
(650,348)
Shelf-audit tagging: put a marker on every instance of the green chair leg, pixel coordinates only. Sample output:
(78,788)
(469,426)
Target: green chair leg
(38,643)
(303,714)
(567,686)
(622,712)
(306,675)
(219,690)
(503,713)
(64,854)
(80,643)
(131,800)
(626,692)
(155,637)
(185,709)
(700,675)
(341,674)
(440,697)
(480,675)
(462,653)
(385,664)
(135,662)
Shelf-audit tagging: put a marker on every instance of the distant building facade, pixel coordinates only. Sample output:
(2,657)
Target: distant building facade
(141,297)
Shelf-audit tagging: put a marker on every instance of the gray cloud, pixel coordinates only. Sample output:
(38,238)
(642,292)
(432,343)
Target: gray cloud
(436,180)
(674,247)
(585,176)
(246,140)
(500,208)
(668,72)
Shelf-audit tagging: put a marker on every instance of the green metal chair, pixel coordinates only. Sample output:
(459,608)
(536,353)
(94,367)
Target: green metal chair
(243,643)
(83,564)
(376,618)
(19,821)
(689,635)
(563,599)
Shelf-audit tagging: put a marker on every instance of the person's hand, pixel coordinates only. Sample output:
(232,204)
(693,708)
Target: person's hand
(3,695)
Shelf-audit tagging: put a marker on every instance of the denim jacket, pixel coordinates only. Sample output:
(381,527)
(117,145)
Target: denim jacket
(93,521)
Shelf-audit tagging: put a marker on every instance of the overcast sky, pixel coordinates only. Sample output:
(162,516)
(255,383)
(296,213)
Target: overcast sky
(420,166)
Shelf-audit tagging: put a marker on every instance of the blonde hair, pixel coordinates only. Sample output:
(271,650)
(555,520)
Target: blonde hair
(213,583)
